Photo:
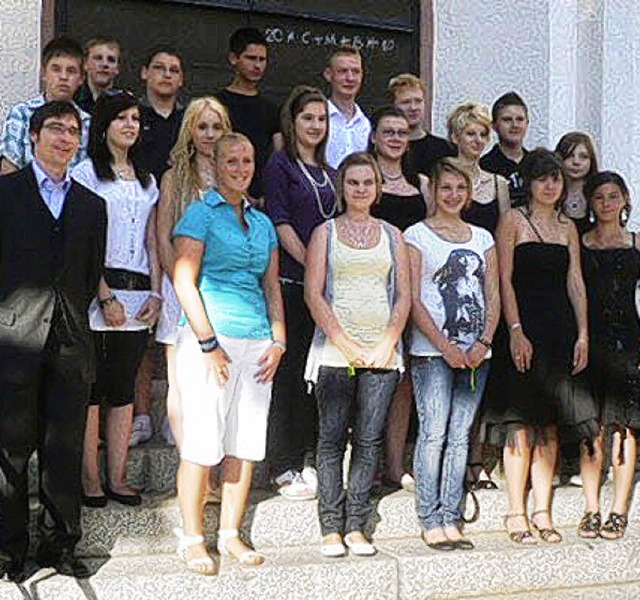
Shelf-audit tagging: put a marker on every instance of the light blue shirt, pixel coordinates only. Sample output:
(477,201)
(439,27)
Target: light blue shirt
(233,264)
(53,194)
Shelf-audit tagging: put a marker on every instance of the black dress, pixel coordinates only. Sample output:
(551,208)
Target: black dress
(400,211)
(611,277)
(547,394)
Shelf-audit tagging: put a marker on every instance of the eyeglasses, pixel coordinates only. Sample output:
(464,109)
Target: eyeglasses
(59,129)
(165,69)
(401,134)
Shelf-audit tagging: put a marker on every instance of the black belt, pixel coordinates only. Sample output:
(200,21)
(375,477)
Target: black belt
(120,279)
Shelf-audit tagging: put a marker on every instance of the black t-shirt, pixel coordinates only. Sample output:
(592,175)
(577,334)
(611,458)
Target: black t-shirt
(425,152)
(158,137)
(495,161)
(258,118)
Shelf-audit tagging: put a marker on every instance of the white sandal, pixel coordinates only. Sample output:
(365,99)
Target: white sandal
(203,565)
(248,558)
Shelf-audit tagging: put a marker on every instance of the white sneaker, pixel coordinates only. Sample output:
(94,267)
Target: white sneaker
(556,481)
(292,486)
(310,477)
(575,480)
(167,434)
(142,430)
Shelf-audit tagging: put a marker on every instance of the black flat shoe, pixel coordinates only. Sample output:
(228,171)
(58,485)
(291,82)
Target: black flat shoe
(442,546)
(94,501)
(126,499)
(65,563)
(12,571)
(464,544)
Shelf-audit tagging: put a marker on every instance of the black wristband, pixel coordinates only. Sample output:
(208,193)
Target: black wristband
(485,342)
(209,345)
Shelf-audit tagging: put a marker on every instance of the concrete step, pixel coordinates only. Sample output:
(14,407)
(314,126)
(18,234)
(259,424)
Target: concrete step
(404,568)
(498,566)
(616,591)
(296,574)
(272,522)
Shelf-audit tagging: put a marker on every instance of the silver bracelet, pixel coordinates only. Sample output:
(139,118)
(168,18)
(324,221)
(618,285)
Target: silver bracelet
(157,296)
(280,344)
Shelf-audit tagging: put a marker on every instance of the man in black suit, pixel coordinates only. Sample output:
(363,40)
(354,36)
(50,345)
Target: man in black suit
(52,239)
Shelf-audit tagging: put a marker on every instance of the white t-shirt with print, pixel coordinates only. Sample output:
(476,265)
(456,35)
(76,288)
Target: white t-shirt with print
(452,286)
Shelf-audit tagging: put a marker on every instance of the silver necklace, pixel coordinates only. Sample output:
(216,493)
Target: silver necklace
(316,186)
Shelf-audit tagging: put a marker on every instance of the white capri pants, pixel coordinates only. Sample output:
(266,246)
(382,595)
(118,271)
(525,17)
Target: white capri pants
(220,421)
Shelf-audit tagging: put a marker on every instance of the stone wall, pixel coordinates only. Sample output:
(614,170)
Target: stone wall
(19,51)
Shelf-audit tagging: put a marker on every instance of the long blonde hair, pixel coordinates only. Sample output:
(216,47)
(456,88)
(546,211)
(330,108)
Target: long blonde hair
(186,182)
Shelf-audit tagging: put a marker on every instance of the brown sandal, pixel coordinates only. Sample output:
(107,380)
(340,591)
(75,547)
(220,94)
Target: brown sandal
(547,534)
(615,526)
(590,525)
(520,536)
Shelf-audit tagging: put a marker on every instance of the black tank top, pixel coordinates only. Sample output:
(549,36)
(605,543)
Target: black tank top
(401,211)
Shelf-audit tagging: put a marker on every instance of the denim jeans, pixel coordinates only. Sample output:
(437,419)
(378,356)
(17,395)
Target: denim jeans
(370,393)
(293,416)
(446,405)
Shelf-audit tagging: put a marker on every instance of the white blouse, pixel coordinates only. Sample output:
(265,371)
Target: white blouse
(129,206)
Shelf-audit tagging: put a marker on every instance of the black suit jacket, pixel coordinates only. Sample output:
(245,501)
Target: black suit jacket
(43,260)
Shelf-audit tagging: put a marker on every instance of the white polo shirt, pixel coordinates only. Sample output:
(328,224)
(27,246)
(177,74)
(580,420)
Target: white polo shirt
(346,135)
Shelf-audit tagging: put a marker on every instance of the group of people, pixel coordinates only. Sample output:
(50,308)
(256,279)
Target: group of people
(313,274)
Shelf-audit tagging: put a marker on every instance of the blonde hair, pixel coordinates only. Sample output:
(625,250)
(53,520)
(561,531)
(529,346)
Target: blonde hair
(466,113)
(186,182)
(405,81)
(449,165)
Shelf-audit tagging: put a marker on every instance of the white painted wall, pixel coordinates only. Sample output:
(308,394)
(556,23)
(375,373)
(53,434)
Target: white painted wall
(19,51)
(575,62)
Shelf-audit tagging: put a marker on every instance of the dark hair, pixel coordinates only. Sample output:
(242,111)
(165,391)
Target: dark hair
(508,99)
(356,159)
(108,106)
(57,108)
(164,49)
(62,46)
(243,37)
(538,163)
(602,178)
(568,143)
(100,40)
(300,96)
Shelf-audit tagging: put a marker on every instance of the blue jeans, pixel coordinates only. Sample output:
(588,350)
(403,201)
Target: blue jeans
(369,392)
(446,408)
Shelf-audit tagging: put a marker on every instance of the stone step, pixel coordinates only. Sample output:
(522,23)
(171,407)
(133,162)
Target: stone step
(287,574)
(616,591)
(272,522)
(498,566)
(404,568)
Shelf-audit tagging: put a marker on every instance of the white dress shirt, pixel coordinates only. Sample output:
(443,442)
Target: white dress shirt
(346,135)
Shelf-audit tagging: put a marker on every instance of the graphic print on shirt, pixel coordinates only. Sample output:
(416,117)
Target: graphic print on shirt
(460,282)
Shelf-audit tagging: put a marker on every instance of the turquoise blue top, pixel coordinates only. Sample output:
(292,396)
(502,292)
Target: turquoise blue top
(233,263)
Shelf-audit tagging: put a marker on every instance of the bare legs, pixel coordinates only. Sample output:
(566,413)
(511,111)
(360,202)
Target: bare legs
(623,472)
(591,470)
(192,485)
(118,434)
(520,461)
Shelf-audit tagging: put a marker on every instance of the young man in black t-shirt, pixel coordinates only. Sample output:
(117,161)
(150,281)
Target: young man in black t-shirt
(510,117)
(425,149)
(251,113)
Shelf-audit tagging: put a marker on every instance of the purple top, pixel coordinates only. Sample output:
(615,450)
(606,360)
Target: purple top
(290,199)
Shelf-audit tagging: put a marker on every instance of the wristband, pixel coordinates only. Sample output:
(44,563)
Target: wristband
(209,345)
(485,342)
(156,296)
(515,326)
(280,344)
(106,301)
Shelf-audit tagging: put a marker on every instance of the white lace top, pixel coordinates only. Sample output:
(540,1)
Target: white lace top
(129,206)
